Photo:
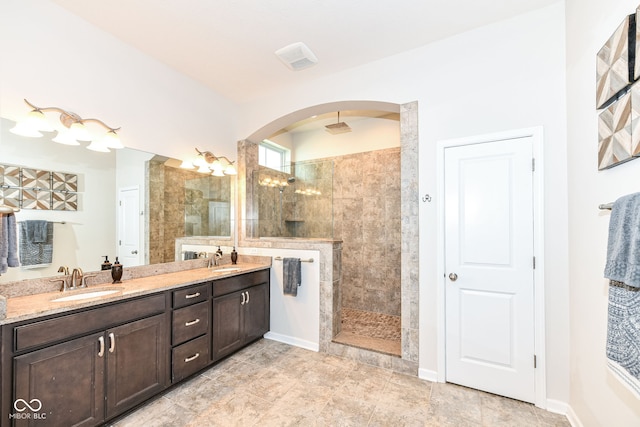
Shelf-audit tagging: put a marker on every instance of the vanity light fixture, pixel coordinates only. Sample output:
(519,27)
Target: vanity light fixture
(207,162)
(73,129)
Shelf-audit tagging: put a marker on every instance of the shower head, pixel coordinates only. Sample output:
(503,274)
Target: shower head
(336,128)
(291,179)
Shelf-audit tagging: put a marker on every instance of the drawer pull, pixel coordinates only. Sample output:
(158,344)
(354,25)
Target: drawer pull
(189,296)
(101,351)
(247,297)
(194,357)
(112,342)
(193,322)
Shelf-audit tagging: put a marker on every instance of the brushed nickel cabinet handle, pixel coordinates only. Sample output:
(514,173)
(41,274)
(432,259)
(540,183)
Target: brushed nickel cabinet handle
(194,357)
(101,351)
(197,294)
(112,342)
(193,322)
(243,299)
(247,297)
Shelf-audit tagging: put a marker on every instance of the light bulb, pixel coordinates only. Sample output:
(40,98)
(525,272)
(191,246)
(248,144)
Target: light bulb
(65,137)
(80,132)
(98,146)
(112,140)
(230,170)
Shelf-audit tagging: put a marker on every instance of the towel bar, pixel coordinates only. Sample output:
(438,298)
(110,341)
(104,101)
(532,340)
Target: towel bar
(605,206)
(279,258)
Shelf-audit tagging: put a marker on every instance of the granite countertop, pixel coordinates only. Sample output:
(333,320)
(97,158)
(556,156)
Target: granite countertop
(32,306)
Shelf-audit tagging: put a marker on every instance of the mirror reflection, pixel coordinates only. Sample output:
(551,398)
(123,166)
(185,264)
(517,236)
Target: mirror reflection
(123,209)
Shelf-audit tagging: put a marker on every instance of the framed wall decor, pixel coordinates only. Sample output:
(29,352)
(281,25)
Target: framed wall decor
(615,63)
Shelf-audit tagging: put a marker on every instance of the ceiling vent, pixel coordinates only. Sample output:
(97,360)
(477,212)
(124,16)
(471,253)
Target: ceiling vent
(297,56)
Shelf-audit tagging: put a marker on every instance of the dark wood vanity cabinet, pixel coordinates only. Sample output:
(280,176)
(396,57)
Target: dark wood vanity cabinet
(85,367)
(240,312)
(70,380)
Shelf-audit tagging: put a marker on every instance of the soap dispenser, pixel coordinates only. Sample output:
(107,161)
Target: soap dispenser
(116,271)
(106,265)
(234,256)
(219,251)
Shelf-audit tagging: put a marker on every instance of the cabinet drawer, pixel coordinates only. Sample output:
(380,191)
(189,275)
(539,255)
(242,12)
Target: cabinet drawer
(236,283)
(191,295)
(189,322)
(82,323)
(190,357)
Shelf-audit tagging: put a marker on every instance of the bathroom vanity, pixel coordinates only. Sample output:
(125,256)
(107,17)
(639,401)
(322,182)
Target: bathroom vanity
(83,362)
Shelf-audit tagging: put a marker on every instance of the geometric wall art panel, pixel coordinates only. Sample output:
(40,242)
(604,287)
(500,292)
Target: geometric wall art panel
(10,196)
(615,66)
(635,119)
(64,181)
(30,188)
(636,73)
(615,133)
(36,199)
(63,201)
(34,178)
(10,176)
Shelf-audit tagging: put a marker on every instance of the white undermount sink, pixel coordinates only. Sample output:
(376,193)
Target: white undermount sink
(80,295)
(226,269)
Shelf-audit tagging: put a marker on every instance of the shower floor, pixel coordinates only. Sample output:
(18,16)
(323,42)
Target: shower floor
(371,331)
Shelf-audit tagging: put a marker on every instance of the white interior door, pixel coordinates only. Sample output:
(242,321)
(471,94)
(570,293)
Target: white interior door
(489,293)
(129,247)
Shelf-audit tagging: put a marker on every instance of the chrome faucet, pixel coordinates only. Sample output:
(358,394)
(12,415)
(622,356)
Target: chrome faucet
(76,278)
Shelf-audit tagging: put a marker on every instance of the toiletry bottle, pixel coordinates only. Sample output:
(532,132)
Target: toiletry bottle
(106,265)
(234,256)
(219,251)
(116,271)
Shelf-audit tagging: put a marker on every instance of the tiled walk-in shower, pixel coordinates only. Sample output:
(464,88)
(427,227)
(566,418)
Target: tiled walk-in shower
(374,331)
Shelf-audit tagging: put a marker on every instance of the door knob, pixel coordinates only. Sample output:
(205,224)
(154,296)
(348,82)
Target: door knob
(135,252)
(453,277)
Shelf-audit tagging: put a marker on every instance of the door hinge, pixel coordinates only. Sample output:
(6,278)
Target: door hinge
(535,361)
(533,165)
(119,242)
(534,262)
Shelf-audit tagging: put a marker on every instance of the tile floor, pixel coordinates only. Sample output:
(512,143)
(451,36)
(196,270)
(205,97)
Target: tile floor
(369,330)
(274,384)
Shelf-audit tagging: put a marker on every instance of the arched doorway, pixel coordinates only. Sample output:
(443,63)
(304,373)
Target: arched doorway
(406,251)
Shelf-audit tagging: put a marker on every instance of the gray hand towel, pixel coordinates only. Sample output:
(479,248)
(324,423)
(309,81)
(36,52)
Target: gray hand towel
(35,255)
(623,248)
(291,273)
(36,231)
(8,243)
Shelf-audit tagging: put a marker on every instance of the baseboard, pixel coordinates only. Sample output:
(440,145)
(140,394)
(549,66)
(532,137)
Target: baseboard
(573,418)
(428,375)
(297,342)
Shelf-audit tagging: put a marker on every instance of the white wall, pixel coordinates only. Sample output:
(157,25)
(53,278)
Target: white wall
(53,58)
(504,76)
(597,398)
(366,135)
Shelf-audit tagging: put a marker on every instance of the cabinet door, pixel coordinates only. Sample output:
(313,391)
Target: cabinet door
(137,362)
(227,328)
(66,379)
(256,312)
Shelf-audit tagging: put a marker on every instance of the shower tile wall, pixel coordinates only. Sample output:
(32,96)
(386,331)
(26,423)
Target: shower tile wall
(367,219)
(167,199)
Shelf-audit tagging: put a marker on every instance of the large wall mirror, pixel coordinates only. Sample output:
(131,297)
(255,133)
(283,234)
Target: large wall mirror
(130,204)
